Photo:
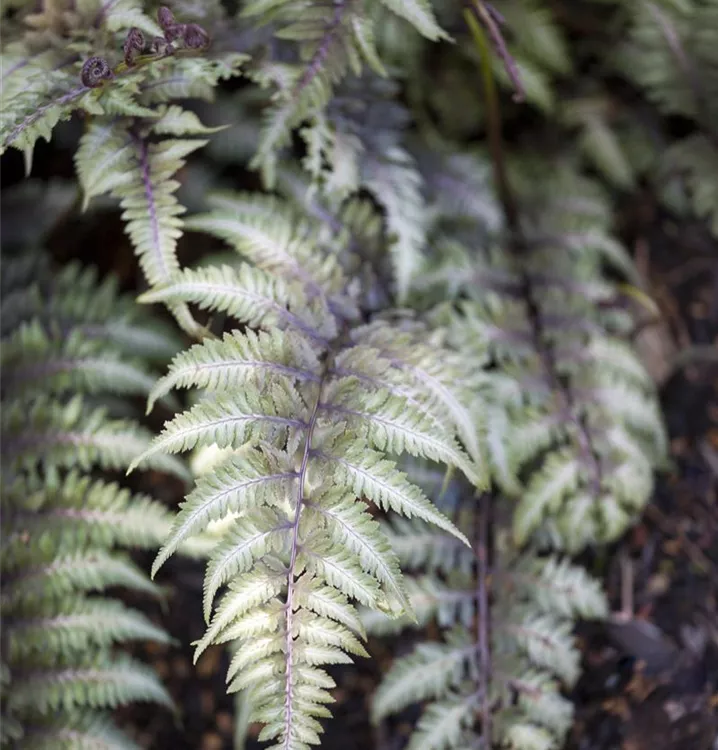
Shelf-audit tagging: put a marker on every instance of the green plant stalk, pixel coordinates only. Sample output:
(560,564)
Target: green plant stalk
(493,118)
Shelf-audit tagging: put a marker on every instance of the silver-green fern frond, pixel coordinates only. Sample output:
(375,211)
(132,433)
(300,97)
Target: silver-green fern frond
(577,422)
(534,602)
(310,403)
(64,523)
(113,158)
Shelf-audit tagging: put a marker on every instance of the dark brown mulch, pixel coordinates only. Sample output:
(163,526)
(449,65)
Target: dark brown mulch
(651,681)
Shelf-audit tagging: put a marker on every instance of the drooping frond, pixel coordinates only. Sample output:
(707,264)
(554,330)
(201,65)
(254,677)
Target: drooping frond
(583,431)
(64,526)
(113,158)
(534,601)
(310,405)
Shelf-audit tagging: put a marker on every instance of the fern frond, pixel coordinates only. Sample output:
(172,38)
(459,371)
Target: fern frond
(562,432)
(75,298)
(535,601)
(57,434)
(82,510)
(60,575)
(253,359)
(420,15)
(45,85)
(269,234)
(77,626)
(98,683)
(443,724)
(304,443)
(112,158)
(31,355)
(586,406)
(670,54)
(35,99)
(371,476)
(331,40)
(230,422)
(427,673)
(397,184)
(668,51)
(63,525)
(247,294)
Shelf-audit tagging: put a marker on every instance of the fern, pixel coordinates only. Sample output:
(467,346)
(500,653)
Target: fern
(310,405)
(577,431)
(64,525)
(669,52)
(534,599)
(126,107)
(323,406)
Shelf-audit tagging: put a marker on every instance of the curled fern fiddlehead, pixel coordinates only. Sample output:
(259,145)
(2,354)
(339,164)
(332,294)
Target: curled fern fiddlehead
(192,34)
(133,46)
(166,20)
(195,37)
(95,71)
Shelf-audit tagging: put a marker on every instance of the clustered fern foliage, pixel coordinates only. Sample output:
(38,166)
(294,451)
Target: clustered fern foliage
(572,434)
(418,388)
(68,523)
